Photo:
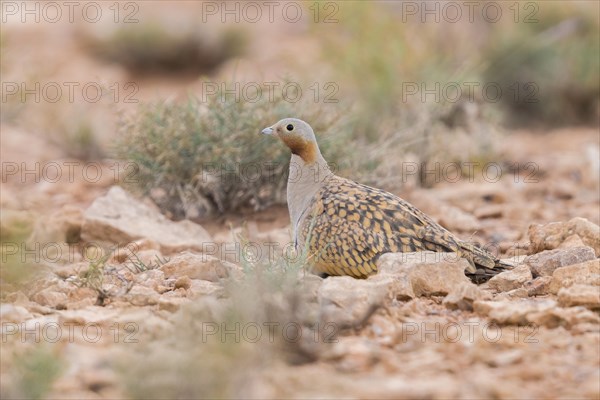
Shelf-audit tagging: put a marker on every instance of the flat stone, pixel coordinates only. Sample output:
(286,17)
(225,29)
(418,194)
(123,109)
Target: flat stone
(546,262)
(580,295)
(196,266)
(171,304)
(345,300)
(183,282)
(141,296)
(512,312)
(201,288)
(552,235)
(490,211)
(13,313)
(463,296)
(62,226)
(511,279)
(50,297)
(566,317)
(399,285)
(429,273)
(119,218)
(585,272)
(539,286)
(153,279)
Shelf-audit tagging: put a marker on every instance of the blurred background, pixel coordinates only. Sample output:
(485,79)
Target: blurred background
(441,83)
(167,99)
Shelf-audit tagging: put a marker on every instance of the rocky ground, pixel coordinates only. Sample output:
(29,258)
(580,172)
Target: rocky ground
(102,297)
(123,302)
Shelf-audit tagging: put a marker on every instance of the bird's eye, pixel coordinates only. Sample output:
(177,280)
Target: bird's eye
(290,127)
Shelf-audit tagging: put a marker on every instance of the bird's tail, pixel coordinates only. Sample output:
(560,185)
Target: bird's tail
(484,265)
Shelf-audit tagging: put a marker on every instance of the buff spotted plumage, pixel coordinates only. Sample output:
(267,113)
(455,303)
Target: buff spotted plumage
(348,226)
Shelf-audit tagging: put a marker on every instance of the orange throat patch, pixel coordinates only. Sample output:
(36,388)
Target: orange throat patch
(302,148)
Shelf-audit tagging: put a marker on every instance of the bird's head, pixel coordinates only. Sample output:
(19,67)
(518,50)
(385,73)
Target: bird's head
(298,136)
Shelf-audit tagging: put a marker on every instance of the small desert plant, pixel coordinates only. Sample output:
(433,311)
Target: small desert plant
(196,158)
(76,134)
(33,372)
(17,265)
(94,277)
(103,277)
(218,348)
(76,128)
(136,265)
(552,63)
(151,48)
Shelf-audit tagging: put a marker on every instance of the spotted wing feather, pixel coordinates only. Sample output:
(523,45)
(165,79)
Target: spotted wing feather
(350,225)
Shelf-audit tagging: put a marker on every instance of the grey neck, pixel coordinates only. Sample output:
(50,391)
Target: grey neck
(304,182)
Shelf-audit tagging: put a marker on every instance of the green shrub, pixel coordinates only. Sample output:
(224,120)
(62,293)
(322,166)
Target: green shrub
(557,58)
(150,48)
(197,158)
(375,54)
(77,134)
(374,49)
(17,265)
(33,371)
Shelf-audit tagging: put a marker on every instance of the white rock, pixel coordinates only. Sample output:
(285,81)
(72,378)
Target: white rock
(511,279)
(552,235)
(512,312)
(353,354)
(567,317)
(463,296)
(142,296)
(580,295)
(118,218)
(544,263)
(345,301)
(50,297)
(196,266)
(153,279)
(585,272)
(429,273)
(13,313)
(202,288)
(62,226)
(171,304)
(539,286)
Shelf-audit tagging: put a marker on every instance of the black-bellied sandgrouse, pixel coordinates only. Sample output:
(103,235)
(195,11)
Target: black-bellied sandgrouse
(349,225)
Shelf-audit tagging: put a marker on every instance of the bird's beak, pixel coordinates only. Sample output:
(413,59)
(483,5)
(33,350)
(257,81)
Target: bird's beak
(267,131)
